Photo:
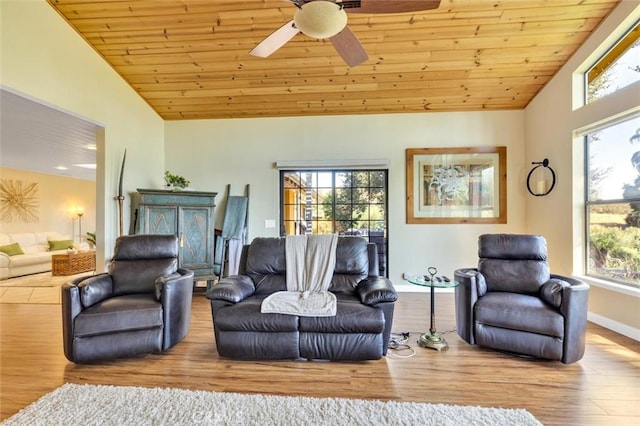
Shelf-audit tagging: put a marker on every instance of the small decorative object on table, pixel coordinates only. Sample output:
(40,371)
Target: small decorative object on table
(175,182)
(433,339)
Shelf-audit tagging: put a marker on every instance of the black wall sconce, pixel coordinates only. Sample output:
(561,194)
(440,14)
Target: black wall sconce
(541,188)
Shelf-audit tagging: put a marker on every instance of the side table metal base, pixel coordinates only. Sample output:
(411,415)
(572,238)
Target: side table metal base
(433,341)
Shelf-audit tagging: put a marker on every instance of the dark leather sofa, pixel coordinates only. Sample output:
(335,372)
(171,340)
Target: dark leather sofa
(141,306)
(511,302)
(359,331)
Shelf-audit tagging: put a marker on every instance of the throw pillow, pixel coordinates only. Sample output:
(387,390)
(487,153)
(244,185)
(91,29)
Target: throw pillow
(60,244)
(11,249)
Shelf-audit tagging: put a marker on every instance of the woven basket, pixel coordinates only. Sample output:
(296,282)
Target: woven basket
(73,263)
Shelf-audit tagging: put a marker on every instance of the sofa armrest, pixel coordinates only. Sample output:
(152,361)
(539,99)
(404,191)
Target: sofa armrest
(574,308)
(4,260)
(232,289)
(466,293)
(175,292)
(374,290)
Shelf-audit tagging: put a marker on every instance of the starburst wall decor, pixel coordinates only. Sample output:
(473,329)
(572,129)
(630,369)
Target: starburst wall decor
(19,201)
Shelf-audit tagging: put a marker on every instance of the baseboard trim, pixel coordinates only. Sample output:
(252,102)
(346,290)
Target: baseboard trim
(618,327)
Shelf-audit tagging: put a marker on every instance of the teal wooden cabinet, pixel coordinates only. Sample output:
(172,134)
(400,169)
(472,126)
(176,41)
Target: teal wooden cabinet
(187,214)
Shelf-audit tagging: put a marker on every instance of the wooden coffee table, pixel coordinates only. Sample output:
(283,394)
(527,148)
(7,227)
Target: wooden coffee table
(73,262)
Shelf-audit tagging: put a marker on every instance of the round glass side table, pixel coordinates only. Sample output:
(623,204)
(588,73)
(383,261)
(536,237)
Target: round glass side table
(432,339)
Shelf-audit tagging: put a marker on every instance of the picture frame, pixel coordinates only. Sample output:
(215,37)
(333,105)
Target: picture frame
(456,185)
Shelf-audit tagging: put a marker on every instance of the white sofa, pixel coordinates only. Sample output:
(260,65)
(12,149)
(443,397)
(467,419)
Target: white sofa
(36,257)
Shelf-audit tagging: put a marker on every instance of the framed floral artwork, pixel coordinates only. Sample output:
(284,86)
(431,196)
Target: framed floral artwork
(456,185)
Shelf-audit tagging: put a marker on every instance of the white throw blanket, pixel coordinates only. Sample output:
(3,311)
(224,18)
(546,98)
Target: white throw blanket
(310,262)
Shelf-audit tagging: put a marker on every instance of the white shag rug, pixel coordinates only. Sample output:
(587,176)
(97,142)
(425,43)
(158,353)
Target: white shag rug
(115,405)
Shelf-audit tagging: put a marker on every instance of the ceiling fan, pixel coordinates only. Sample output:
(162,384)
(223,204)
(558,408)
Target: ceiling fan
(323,19)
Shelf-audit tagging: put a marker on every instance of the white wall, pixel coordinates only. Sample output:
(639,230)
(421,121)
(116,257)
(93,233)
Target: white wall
(550,122)
(213,153)
(45,59)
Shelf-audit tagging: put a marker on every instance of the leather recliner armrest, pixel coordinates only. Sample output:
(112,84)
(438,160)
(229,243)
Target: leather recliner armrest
(374,290)
(232,289)
(175,292)
(165,282)
(574,308)
(466,293)
(93,289)
(71,308)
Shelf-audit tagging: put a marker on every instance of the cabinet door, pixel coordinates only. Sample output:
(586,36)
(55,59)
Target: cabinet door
(196,238)
(159,220)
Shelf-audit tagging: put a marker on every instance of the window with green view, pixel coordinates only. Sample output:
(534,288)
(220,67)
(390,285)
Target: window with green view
(613,202)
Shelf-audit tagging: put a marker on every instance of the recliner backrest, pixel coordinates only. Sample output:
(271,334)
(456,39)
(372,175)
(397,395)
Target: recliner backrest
(352,264)
(139,260)
(266,264)
(513,263)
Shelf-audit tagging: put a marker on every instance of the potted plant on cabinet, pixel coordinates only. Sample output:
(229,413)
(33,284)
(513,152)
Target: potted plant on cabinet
(175,182)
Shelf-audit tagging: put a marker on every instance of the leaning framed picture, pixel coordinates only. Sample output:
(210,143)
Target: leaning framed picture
(457,185)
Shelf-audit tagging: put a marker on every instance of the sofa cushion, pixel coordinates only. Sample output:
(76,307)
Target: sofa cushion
(246,316)
(116,314)
(266,264)
(513,262)
(42,238)
(266,256)
(139,276)
(55,245)
(25,239)
(519,312)
(11,249)
(31,259)
(35,249)
(4,239)
(139,260)
(352,256)
(351,317)
(512,247)
(352,264)
(518,276)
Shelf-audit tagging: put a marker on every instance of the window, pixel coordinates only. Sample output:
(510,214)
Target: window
(344,202)
(613,202)
(618,68)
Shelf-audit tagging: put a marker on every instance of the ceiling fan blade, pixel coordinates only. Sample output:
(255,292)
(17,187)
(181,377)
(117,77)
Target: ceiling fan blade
(389,6)
(275,40)
(349,47)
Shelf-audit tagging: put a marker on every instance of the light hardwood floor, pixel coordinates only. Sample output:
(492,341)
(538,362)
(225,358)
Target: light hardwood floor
(602,389)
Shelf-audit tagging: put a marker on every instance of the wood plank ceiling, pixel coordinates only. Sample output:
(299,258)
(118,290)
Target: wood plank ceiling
(189,58)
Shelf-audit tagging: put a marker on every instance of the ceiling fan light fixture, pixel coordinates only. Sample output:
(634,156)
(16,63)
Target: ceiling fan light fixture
(320,19)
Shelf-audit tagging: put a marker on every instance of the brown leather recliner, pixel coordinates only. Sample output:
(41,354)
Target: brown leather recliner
(141,306)
(512,303)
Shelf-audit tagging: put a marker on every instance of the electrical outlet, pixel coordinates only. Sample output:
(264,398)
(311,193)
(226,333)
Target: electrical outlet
(269,223)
